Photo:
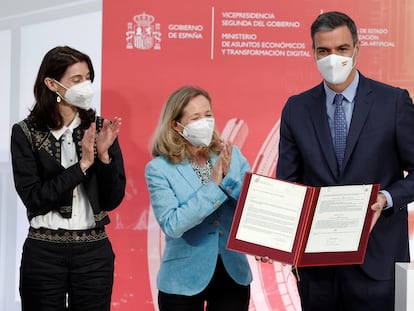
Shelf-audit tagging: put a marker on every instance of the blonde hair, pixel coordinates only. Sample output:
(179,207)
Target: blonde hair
(167,142)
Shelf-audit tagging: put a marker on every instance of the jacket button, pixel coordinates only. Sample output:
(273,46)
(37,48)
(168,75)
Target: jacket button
(221,233)
(217,204)
(216,223)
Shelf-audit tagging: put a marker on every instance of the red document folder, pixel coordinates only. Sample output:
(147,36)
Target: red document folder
(335,221)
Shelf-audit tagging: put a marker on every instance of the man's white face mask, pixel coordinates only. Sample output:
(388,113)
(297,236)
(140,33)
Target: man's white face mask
(335,69)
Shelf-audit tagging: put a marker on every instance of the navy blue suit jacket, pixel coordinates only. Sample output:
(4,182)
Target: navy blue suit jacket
(380,149)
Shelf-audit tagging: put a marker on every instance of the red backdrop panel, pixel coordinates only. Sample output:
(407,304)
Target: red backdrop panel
(250,56)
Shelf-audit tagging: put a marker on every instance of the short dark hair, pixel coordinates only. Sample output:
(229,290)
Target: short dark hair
(329,21)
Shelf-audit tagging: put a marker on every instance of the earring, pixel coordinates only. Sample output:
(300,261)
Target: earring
(58,99)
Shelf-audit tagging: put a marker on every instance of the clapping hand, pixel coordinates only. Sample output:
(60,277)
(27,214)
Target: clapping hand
(87,144)
(106,138)
(222,165)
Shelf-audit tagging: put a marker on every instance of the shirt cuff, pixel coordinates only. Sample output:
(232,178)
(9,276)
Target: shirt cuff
(389,199)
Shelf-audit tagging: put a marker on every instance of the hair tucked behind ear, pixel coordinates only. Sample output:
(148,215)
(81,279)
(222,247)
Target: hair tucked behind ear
(45,112)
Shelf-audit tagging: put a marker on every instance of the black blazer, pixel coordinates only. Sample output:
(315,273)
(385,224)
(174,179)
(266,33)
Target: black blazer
(380,148)
(43,184)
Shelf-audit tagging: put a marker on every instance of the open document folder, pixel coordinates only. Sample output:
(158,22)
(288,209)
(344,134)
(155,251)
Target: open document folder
(302,225)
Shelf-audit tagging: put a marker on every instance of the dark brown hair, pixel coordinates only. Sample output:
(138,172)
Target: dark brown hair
(45,113)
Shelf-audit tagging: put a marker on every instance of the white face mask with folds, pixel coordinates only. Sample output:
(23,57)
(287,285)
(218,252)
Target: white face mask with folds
(335,69)
(199,133)
(79,95)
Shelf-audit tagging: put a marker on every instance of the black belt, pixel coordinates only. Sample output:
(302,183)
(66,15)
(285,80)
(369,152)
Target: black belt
(67,236)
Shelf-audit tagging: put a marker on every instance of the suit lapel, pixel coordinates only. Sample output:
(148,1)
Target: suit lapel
(317,109)
(187,173)
(363,104)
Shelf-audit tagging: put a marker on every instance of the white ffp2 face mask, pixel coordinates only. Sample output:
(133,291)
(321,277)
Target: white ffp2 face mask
(79,95)
(199,133)
(334,68)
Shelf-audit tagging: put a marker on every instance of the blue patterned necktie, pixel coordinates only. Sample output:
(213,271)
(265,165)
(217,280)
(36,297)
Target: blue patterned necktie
(340,130)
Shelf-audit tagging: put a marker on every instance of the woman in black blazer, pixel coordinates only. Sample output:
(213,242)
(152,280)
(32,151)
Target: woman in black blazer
(68,171)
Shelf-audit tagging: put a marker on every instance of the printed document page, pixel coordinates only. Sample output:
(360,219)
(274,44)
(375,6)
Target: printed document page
(271,213)
(339,218)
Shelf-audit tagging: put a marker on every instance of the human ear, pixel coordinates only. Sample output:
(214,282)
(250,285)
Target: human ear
(175,126)
(51,84)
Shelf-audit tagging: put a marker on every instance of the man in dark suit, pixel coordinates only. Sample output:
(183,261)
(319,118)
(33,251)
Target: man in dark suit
(378,148)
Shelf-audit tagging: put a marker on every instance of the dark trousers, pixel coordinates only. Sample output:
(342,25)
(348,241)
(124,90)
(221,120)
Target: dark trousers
(343,288)
(221,294)
(66,276)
